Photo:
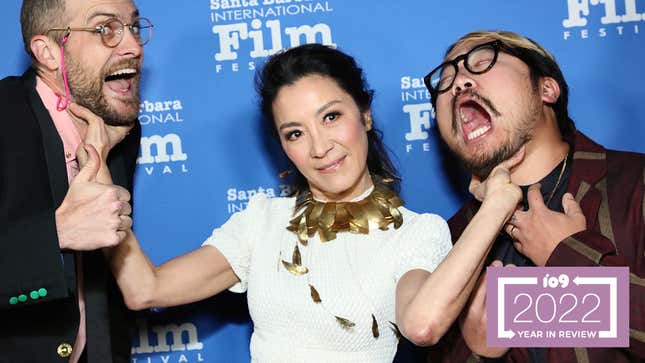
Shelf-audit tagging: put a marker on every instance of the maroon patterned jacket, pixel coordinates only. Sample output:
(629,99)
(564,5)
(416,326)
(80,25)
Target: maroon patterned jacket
(609,185)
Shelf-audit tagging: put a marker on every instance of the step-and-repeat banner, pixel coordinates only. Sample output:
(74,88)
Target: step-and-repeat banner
(204,154)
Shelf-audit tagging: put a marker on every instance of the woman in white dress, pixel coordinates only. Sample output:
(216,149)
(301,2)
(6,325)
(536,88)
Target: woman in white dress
(331,272)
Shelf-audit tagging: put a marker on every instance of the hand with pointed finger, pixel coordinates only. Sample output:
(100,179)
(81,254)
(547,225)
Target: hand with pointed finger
(99,134)
(92,215)
(498,187)
(539,230)
(472,320)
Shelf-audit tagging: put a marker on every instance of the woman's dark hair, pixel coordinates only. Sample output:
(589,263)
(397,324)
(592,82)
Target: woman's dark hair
(287,67)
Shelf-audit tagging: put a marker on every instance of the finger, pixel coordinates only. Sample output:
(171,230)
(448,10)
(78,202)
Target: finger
(475,186)
(506,165)
(514,160)
(570,206)
(121,131)
(496,263)
(513,219)
(510,229)
(518,218)
(96,124)
(517,234)
(82,156)
(121,235)
(91,168)
(535,198)
(83,113)
(125,224)
(511,265)
(475,180)
(122,193)
(125,209)
(501,170)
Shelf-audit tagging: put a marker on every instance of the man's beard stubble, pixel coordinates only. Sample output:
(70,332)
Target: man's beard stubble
(88,93)
(483,165)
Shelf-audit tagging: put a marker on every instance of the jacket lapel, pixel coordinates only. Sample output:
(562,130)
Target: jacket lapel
(52,143)
(589,169)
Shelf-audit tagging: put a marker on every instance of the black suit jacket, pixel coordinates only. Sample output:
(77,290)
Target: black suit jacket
(33,183)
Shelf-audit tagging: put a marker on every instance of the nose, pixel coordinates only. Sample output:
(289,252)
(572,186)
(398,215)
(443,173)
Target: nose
(320,145)
(129,45)
(463,81)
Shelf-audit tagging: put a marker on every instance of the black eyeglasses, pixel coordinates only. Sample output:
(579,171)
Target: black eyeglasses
(480,59)
(112,31)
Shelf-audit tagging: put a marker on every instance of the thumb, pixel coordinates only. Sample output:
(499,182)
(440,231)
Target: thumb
(81,113)
(516,159)
(534,196)
(496,263)
(475,187)
(570,206)
(505,166)
(89,162)
(82,156)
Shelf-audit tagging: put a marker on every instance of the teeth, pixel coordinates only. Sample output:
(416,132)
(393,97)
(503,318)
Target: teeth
(463,117)
(480,131)
(124,71)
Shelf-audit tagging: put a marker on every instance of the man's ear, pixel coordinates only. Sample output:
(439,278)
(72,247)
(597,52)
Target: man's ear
(45,51)
(550,90)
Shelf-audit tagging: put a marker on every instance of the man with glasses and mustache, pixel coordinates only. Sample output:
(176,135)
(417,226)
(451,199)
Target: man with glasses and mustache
(498,95)
(78,102)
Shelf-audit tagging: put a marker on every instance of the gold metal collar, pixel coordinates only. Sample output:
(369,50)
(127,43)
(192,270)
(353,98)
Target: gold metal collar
(312,216)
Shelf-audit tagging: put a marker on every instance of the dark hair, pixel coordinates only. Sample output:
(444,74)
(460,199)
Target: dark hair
(287,67)
(38,16)
(541,63)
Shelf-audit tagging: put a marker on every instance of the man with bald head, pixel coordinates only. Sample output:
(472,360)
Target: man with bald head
(58,300)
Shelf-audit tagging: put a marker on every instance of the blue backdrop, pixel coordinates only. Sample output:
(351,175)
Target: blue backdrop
(203,152)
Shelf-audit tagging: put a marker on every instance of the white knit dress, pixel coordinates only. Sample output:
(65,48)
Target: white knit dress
(355,275)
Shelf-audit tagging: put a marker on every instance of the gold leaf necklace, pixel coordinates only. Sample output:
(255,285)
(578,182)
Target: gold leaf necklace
(380,208)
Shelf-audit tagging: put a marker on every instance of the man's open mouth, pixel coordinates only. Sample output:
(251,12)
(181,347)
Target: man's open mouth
(120,81)
(475,119)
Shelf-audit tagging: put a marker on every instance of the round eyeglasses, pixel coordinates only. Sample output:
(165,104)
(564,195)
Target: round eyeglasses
(480,59)
(113,29)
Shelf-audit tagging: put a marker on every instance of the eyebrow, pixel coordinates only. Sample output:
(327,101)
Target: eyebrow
(134,14)
(289,124)
(326,106)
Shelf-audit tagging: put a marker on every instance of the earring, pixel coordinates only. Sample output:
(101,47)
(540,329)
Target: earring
(368,123)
